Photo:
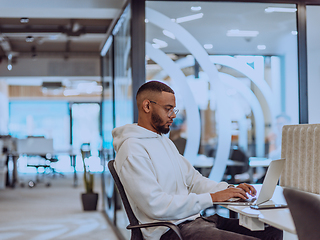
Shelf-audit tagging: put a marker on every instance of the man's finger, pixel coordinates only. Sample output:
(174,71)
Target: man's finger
(248,188)
(241,195)
(253,191)
(239,191)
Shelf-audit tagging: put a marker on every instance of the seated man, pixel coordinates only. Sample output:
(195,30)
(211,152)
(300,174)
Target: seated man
(162,185)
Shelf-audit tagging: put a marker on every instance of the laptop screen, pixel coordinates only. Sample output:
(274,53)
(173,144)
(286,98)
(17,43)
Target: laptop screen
(270,181)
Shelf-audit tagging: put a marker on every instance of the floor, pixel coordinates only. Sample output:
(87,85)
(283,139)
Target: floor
(55,212)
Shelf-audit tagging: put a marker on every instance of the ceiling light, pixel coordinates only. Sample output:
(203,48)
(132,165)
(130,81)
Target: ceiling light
(24,20)
(261,47)
(146,20)
(9,62)
(195,8)
(189,18)
(53,37)
(208,46)
(29,39)
(294,32)
(168,34)
(161,43)
(278,9)
(76,27)
(173,20)
(240,33)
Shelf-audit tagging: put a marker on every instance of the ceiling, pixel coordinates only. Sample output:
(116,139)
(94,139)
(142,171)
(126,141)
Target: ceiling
(42,28)
(220,17)
(77,28)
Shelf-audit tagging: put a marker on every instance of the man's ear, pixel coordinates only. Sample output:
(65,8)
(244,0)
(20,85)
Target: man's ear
(146,106)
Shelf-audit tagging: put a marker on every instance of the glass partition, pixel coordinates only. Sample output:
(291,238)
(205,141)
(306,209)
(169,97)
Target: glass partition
(122,92)
(233,67)
(107,125)
(41,118)
(117,110)
(122,71)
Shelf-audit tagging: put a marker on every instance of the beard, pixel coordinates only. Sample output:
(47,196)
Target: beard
(157,124)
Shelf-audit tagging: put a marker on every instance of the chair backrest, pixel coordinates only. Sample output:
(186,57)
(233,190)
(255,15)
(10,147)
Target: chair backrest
(300,146)
(305,211)
(135,233)
(239,156)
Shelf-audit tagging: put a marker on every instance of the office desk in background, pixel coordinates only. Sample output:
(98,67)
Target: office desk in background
(256,219)
(38,146)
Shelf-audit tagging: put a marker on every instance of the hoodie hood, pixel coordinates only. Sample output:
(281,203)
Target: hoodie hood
(121,134)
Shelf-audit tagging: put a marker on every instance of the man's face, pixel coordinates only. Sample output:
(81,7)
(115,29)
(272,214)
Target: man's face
(160,120)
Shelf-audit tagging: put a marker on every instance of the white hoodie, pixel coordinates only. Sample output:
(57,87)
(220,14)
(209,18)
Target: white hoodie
(161,184)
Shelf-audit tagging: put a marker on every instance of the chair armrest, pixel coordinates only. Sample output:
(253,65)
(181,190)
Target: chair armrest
(170,225)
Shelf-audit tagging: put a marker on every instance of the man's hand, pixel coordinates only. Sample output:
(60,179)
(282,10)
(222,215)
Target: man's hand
(248,189)
(240,191)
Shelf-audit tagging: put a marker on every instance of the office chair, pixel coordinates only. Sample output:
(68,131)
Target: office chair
(53,172)
(241,164)
(134,225)
(305,211)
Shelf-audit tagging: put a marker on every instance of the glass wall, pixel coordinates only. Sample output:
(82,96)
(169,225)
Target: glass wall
(122,71)
(107,126)
(233,67)
(51,119)
(117,109)
(41,118)
(86,130)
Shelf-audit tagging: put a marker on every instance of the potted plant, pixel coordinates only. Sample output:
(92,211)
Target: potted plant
(89,198)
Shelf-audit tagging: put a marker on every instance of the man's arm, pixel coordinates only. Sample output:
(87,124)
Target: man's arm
(140,183)
(240,191)
(219,192)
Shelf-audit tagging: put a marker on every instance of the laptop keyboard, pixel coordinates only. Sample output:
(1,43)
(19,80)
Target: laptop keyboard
(251,200)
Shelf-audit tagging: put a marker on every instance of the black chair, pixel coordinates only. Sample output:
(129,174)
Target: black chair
(134,225)
(305,211)
(53,172)
(240,164)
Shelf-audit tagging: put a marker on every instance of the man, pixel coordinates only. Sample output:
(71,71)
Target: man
(162,185)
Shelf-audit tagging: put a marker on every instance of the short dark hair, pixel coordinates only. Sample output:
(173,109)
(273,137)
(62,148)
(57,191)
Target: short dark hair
(155,86)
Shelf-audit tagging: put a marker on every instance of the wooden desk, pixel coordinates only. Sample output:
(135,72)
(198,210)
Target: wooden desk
(256,219)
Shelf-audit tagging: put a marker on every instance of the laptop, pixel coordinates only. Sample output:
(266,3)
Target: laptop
(269,185)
